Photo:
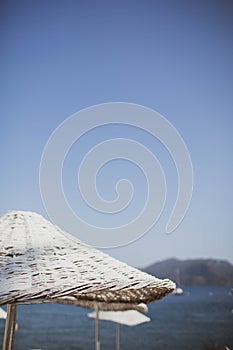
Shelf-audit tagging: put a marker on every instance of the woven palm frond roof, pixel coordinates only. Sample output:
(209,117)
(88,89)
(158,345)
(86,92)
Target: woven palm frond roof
(40,261)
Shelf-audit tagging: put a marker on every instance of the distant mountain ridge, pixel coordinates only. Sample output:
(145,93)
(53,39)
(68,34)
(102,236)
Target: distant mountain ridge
(194,272)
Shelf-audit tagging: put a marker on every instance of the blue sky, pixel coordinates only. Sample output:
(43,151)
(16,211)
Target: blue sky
(58,57)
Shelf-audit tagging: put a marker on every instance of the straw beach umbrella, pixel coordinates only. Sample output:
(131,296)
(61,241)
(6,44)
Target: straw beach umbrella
(41,263)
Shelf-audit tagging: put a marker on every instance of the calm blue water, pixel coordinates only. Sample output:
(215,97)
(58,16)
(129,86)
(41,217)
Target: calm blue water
(178,323)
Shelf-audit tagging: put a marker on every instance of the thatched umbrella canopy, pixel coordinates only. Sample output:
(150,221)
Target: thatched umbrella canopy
(41,263)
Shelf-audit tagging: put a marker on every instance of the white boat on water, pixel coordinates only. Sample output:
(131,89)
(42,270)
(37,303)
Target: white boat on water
(178,291)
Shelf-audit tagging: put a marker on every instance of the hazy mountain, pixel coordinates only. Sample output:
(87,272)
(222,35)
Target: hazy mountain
(198,272)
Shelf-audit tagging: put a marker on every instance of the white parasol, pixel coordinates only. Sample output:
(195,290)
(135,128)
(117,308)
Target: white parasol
(128,318)
(2,313)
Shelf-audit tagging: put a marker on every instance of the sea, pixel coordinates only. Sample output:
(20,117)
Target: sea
(201,316)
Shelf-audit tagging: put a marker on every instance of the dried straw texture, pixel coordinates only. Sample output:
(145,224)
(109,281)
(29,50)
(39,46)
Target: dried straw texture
(103,306)
(40,261)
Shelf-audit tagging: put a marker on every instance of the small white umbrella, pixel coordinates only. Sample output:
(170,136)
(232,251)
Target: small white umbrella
(3,313)
(129,318)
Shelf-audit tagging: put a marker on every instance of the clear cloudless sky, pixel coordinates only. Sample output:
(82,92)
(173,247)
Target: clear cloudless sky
(174,56)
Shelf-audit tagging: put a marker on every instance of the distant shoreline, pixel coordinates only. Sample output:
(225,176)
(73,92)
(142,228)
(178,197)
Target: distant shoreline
(194,272)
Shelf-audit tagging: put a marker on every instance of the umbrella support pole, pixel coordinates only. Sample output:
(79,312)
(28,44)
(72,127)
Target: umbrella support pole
(97,338)
(118,336)
(9,327)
